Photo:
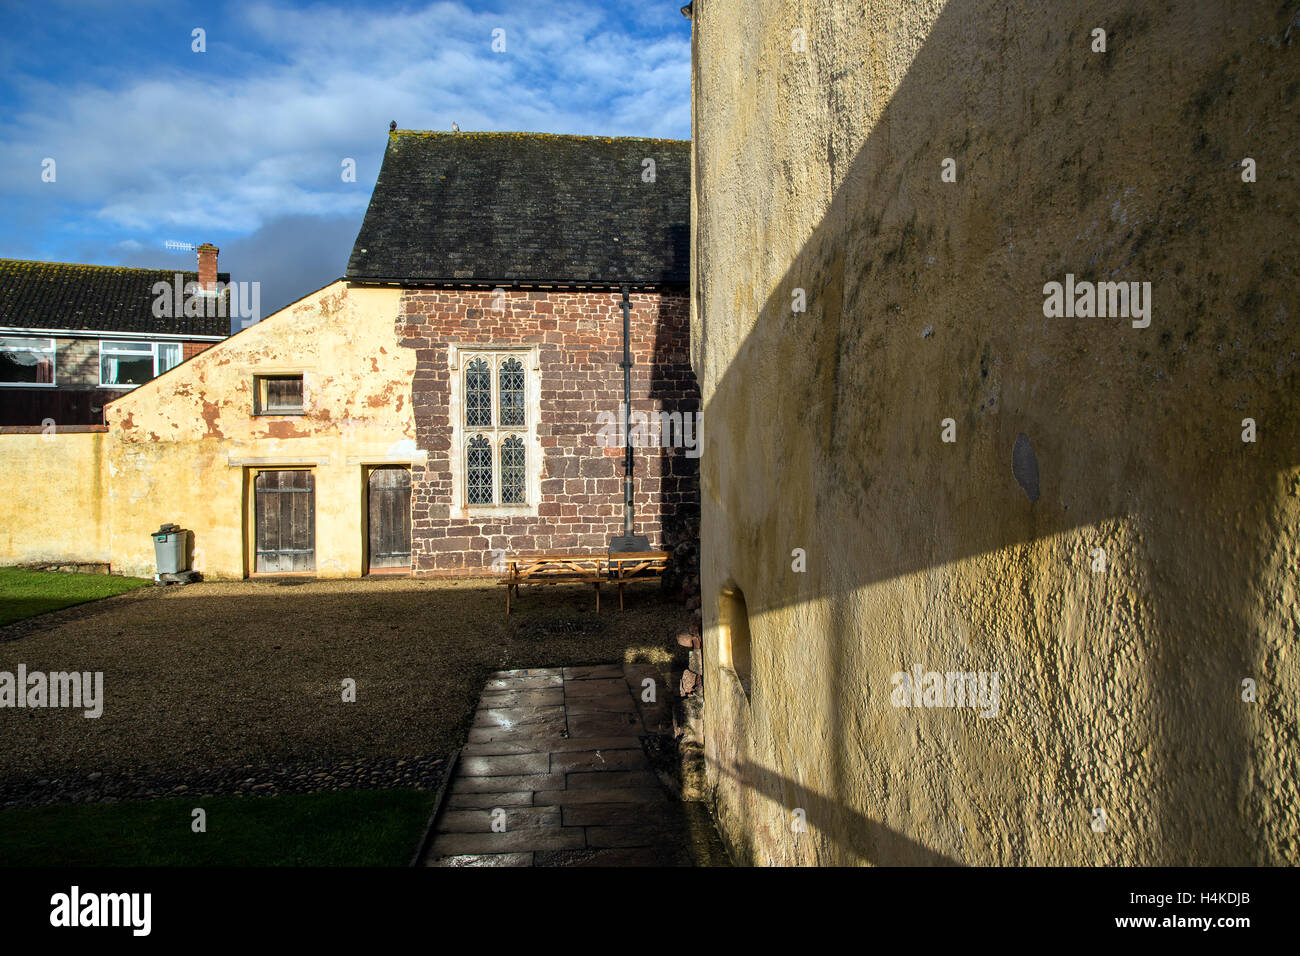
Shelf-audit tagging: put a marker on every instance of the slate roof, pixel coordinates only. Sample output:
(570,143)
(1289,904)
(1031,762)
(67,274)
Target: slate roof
(68,295)
(527,207)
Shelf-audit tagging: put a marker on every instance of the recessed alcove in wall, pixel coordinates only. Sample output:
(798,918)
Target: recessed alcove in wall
(734,651)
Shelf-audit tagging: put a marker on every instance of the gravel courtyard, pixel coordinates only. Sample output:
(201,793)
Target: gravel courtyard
(227,675)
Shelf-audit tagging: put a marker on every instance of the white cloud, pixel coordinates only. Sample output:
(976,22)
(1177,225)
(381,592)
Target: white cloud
(177,152)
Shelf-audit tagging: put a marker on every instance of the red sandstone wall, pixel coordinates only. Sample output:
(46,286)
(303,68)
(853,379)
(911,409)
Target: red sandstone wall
(580,338)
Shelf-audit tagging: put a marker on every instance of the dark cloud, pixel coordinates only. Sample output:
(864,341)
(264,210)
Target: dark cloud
(290,256)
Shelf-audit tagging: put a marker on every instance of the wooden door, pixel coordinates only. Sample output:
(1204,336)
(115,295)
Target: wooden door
(390,518)
(285,521)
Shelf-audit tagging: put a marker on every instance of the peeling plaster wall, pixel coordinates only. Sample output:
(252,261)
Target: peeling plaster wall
(53,509)
(1121,689)
(180,445)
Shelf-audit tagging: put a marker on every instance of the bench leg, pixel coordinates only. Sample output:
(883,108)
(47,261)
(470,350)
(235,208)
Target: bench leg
(509,588)
(597,597)
(620,595)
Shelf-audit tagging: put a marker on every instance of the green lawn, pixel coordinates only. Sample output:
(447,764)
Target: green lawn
(26,593)
(345,828)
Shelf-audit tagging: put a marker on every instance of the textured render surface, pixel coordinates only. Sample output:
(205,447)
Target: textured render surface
(578,342)
(1120,689)
(179,447)
(53,508)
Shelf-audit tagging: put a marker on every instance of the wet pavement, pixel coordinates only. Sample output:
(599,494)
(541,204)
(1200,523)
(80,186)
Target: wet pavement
(554,774)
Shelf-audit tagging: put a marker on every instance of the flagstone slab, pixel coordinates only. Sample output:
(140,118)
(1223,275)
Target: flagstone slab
(546,697)
(603,725)
(555,773)
(511,818)
(517,732)
(599,760)
(555,745)
(494,716)
(564,798)
(606,779)
(533,782)
(621,703)
(612,814)
(595,687)
(593,671)
(484,859)
(505,765)
(522,683)
(512,841)
(466,800)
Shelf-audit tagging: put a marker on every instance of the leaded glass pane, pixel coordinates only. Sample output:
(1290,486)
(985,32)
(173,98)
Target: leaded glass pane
(512,471)
(478,394)
(512,393)
(478,471)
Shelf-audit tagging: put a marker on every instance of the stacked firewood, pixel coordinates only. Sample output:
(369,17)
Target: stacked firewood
(683,576)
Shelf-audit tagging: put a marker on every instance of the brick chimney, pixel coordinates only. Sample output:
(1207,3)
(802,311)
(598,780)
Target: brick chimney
(208,267)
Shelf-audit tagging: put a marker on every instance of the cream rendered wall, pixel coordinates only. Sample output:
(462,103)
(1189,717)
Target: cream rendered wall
(182,447)
(53,502)
(818,169)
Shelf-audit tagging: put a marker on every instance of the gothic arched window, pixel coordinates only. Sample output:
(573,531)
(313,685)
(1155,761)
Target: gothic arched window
(513,473)
(478,471)
(478,394)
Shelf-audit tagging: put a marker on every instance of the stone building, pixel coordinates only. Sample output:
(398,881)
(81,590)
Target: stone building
(439,406)
(918,477)
(512,252)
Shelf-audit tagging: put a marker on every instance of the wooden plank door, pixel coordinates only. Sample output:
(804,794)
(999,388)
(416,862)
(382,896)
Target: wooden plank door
(285,521)
(389,496)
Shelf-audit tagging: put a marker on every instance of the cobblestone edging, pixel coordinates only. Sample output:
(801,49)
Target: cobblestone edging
(379,773)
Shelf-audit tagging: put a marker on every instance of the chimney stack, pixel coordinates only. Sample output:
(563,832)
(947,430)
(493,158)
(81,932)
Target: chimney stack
(208,267)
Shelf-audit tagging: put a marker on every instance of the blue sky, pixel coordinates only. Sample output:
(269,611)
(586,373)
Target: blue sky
(243,145)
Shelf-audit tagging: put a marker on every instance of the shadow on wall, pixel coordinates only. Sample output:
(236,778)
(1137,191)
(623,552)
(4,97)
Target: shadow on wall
(674,389)
(925,303)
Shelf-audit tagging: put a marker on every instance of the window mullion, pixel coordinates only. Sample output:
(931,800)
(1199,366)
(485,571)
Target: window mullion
(496,429)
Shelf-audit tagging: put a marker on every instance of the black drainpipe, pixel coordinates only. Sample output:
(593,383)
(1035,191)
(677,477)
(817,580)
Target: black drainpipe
(627,541)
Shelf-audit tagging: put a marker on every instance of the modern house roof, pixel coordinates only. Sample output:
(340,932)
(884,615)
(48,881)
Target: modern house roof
(69,296)
(527,208)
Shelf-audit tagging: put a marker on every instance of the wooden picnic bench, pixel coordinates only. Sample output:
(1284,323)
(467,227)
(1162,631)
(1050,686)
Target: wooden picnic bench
(553,569)
(593,569)
(626,565)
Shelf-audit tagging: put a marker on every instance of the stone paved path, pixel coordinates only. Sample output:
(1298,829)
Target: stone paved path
(555,755)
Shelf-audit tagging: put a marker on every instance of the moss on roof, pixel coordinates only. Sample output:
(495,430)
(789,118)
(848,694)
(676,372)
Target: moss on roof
(80,296)
(515,206)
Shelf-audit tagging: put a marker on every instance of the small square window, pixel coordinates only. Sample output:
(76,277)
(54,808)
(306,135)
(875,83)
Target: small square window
(279,395)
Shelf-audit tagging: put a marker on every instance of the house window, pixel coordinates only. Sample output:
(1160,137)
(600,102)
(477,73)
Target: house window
(128,364)
(26,361)
(278,395)
(495,428)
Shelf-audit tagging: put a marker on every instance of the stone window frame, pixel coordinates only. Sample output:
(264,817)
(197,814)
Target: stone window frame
(459,355)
